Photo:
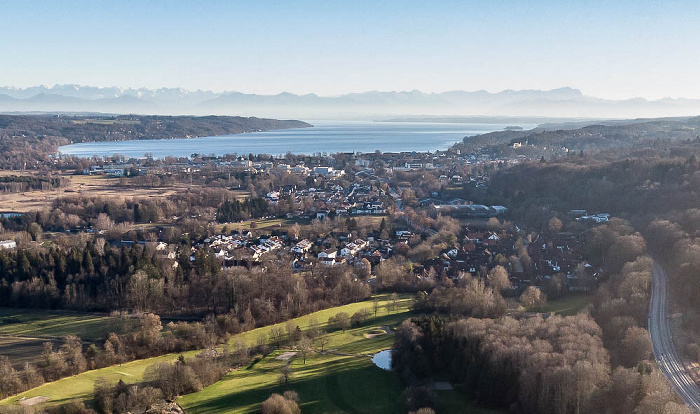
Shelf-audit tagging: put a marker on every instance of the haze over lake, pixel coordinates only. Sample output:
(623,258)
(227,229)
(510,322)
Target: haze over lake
(324,136)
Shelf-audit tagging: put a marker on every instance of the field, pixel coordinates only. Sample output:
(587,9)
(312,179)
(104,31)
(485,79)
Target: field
(564,306)
(21,350)
(343,380)
(259,224)
(81,386)
(23,331)
(568,305)
(340,380)
(85,185)
(57,324)
(285,224)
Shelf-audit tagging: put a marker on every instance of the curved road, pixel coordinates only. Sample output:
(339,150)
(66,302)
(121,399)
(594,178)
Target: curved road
(664,351)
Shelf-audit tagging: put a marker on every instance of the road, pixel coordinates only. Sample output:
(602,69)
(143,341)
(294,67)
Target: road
(664,350)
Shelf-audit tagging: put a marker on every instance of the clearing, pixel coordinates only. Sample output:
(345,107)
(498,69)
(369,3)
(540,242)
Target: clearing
(568,305)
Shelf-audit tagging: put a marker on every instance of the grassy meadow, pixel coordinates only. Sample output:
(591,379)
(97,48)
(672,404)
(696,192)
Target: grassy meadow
(58,324)
(24,331)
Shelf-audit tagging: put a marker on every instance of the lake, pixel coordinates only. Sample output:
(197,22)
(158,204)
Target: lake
(324,136)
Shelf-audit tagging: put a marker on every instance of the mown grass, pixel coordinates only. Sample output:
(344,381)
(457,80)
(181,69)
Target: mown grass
(21,350)
(54,324)
(81,386)
(327,383)
(24,331)
(341,380)
(568,305)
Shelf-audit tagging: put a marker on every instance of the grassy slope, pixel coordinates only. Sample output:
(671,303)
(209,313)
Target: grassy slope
(327,383)
(48,324)
(21,350)
(24,331)
(80,386)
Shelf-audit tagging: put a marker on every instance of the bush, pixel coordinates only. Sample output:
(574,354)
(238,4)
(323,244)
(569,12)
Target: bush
(277,404)
(360,316)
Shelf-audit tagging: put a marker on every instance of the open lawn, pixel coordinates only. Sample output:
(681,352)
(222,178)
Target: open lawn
(341,380)
(81,386)
(326,384)
(57,324)
(284,223)
(564,306)
(24,331)
(21,350)
(259,224)
(568,305)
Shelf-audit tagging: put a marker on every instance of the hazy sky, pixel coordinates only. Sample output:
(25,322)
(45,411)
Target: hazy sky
(611,49)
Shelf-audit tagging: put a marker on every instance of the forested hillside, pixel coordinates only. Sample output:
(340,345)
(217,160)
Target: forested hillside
(26,141)
(547,140)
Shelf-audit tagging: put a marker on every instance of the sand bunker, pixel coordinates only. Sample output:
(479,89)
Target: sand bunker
(286,356)
(34,400)
(377,332)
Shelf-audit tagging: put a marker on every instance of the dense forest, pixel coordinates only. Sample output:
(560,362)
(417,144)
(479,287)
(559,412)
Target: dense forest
(97,276)
(592,362)
(595,138)
(235,210)
(600,361)
(81,128)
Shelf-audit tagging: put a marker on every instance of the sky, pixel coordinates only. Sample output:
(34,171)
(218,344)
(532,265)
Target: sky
(609,49)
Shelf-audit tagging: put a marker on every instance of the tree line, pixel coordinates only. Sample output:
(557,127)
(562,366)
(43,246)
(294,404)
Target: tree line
(599,361)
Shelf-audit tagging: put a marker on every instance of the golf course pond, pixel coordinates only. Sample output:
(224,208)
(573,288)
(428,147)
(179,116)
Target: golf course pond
(383,359)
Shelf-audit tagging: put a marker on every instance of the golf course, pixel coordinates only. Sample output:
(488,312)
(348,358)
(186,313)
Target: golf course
(329,381)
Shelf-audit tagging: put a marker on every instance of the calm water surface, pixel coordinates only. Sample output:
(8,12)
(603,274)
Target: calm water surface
(382,359)
(324,136)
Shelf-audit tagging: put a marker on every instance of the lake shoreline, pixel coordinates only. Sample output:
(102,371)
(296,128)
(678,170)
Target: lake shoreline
(327,137)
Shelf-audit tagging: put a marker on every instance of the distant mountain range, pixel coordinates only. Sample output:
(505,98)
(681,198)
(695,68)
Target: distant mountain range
(557,103)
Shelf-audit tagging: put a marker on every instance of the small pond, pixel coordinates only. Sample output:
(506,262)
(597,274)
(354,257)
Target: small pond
(383,359)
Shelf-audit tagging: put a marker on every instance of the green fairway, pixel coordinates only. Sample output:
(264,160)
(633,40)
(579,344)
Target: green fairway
(24,331)
(327,383)
(81,386)
(21,350)
(341,381)
(55,324)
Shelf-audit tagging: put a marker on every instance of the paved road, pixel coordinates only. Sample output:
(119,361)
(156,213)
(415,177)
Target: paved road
(664,351)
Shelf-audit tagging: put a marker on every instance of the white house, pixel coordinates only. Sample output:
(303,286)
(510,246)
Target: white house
(8,244)
(328,254)
(302,247)
(350,249)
